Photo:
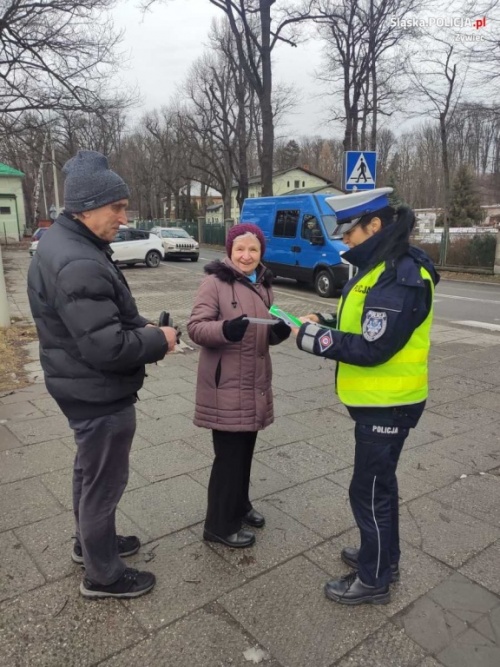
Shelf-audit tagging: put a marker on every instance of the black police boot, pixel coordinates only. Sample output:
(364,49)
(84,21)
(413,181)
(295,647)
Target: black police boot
(349,555)
(254,518)
(239,540)
(351,590)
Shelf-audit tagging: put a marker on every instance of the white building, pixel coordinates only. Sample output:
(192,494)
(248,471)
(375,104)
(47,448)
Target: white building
(12,215)
(296,180)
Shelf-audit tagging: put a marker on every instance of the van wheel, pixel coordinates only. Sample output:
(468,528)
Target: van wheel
(153,259)
(323,284)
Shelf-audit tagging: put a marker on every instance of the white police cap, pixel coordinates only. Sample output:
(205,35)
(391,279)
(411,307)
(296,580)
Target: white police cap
(350,208)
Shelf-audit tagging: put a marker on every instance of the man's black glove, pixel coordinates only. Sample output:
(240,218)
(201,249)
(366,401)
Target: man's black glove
(281,330)
(234,330)
(165,320)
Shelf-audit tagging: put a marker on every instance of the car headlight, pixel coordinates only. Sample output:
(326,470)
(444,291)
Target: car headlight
(170,246)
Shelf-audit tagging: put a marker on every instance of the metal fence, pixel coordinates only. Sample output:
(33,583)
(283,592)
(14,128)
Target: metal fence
(213,233)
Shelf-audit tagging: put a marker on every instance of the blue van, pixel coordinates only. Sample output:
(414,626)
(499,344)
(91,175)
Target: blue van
(299,239)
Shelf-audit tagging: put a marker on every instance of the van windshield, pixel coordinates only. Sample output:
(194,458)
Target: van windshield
(330,224)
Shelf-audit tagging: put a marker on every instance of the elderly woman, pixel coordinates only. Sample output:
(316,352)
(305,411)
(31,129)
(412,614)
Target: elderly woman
(234,396)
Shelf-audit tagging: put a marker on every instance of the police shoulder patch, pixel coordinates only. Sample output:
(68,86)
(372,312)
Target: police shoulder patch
(374,325)
(325,340)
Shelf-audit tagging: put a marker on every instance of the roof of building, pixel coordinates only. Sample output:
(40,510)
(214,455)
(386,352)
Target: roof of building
(195,190)
(257,179)
(317,188)
(5,170)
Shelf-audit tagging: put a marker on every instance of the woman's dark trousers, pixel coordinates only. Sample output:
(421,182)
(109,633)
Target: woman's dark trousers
(374,500)
(100,476)
(228,500)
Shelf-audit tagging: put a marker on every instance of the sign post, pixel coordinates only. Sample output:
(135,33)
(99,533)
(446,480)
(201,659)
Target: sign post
(360,170)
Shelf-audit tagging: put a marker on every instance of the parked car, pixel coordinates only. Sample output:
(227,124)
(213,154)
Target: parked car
(37,235)
(176,242)
(134,246)
(130,246)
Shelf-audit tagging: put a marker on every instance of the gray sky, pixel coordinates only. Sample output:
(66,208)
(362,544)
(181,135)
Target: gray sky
(162,44)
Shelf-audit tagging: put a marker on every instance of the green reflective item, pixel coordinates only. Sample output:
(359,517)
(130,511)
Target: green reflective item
(289,319)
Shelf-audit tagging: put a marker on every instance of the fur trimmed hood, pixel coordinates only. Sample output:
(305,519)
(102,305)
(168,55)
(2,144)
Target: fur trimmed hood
(226,272)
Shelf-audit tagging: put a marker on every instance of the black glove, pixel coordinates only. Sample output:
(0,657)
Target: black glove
(234,330)
(281,330)
(165,320)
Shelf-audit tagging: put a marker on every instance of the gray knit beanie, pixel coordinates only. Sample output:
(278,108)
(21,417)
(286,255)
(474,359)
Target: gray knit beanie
(90,183)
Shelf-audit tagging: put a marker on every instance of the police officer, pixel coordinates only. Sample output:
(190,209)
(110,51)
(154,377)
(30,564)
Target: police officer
(380,340)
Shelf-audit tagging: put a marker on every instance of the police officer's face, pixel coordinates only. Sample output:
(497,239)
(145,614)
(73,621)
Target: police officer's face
(358,234)
(106,220)
(245,253)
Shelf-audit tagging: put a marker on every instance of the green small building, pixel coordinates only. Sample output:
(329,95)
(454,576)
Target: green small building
(12,215)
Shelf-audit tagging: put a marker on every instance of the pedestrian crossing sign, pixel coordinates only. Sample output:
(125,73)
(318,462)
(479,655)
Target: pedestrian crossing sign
(360,170)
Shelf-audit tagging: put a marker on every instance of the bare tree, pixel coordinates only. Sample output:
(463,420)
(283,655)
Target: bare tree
(56,55)
(258,26)
(363,54)
(212,122)
(166,129)
(439,83)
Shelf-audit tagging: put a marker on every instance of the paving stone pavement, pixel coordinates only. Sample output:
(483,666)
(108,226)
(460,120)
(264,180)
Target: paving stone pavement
(216,607)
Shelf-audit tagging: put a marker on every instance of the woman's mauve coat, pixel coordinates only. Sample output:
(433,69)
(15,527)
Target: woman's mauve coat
(233,392)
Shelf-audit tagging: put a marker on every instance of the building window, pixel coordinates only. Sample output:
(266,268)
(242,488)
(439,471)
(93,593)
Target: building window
(4,210)
(296,184)
(285,225)
(288,184)
(303,184)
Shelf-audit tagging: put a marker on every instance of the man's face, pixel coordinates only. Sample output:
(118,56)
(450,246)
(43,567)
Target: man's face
(106,220)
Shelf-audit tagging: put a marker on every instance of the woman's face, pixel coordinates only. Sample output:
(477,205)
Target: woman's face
(358,234)
(245,254)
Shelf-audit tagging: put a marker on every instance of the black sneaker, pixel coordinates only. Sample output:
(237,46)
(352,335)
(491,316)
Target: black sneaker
(127,546)
(132,584)
(349,555)
(351,590)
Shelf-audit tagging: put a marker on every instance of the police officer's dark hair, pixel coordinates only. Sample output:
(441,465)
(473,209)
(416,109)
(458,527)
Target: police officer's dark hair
(397,243)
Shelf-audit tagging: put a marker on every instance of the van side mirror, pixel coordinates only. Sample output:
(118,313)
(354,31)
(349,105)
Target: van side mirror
(317,237)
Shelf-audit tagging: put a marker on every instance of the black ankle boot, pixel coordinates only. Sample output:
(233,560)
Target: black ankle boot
(254,518)
(239,540)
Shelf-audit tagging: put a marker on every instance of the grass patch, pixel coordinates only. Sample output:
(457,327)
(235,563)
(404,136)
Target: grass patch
(13,356)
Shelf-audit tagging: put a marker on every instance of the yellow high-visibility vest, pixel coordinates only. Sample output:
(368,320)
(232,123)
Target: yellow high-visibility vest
(400,381)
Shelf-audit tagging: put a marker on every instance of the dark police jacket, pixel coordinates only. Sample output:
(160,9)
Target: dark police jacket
(93,344)
(400,283)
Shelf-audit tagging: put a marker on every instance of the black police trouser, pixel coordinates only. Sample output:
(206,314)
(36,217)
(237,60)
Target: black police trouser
(100,475)
(374,500)
(228,500)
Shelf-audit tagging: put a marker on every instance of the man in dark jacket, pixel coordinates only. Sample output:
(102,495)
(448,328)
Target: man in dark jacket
(93,349)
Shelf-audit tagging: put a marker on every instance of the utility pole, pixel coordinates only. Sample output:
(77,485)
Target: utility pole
(4,306)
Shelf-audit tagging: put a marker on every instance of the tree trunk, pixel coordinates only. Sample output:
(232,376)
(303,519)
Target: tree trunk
(226,198)
(265,99)
(203,200)
(242,142)
(446,193)
(373,138)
